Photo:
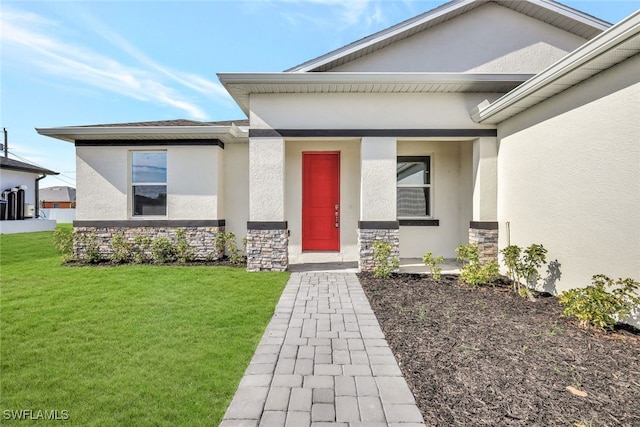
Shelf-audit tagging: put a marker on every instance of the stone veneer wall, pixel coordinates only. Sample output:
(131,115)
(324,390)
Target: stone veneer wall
(202,239)
(367,236)
(267,250)
(487,241)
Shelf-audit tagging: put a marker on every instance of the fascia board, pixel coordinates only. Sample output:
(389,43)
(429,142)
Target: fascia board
(627,28)
(71,133)
(363,78)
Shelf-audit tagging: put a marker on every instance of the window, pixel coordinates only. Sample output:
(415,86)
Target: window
(56,205)
(414,187)
(149,182)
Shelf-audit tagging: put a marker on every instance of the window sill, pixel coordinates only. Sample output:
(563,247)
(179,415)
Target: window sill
(419,222)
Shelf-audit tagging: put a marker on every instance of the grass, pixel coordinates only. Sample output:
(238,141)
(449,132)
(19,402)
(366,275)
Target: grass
(127,345)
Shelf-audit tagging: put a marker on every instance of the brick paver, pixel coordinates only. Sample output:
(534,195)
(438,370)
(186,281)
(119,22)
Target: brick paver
(323,360)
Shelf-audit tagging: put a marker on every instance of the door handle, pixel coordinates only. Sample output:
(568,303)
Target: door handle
(337,206)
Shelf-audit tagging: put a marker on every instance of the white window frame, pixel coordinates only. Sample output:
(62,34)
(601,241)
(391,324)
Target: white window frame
(132,185)
(428,159)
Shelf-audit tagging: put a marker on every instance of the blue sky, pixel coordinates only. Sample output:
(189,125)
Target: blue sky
(68,63)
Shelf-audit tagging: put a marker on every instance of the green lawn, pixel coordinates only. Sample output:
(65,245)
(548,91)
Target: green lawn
(128,345)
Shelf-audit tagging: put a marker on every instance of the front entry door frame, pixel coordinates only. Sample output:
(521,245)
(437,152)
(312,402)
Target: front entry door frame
(321,201)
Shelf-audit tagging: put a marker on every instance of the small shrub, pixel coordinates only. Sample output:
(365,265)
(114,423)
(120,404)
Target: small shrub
(384,263)
(432,262)
(121,249)
(63,241)
(183,251)
(92,253)
(474,272)
(226,244)
(140,249)
(163,251)
(523,266)
(596,306)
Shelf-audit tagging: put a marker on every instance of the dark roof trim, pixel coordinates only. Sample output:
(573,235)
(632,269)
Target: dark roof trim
(177,122)
(148,143)
(11,164)
(358,133)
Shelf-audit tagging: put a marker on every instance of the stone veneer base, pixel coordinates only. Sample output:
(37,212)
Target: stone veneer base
(366,237)
(267,249)
(487,241)
(202,239)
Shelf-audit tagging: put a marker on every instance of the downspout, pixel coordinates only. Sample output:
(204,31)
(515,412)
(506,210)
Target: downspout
(37,191)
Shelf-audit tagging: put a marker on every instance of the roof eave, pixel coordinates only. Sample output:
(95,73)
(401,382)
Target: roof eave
(78,133)
(238,84)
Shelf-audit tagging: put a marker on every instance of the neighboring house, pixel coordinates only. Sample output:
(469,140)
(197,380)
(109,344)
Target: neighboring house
(19,182)
(59,197)
(488,121)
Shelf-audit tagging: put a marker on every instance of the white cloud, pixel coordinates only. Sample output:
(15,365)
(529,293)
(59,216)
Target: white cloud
(34,41)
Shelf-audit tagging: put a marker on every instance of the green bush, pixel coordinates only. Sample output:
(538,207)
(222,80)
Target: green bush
(226,244)
(163,251)
(63,241)
(92,253)
(141,248)
(596,306)
(183,251)
(384,263)
(474,272)
(432,262)
(523,266)
(121,249)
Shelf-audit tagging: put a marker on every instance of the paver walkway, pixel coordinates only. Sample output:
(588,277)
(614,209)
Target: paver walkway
(322,361)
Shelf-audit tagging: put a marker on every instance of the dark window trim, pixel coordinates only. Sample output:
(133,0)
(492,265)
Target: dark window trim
(148,143)
(267,225)
(400,133)
(419,222)
(152,223)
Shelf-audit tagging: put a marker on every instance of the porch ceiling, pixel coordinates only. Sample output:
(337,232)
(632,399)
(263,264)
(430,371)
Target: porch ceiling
(242,85)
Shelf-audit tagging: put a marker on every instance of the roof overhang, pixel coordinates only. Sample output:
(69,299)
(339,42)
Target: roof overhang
(226,134)
(610,48)
(551,12)
(242,85)
(15,165)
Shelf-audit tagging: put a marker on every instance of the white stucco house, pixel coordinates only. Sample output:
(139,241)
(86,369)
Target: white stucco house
(19,188)
(492,121)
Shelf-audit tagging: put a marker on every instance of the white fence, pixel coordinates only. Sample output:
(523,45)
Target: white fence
(60,215)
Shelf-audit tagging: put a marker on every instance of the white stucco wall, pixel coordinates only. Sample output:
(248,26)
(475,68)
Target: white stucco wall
(485,183)
(378,161)
(349,194)
(451,163)
(266,179)
(489,39)
(11,178)
(569,178)
(193,184)
(366,110)
(102,176)
(236,189)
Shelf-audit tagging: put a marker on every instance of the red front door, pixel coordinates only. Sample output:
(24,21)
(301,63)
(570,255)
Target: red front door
(321,201)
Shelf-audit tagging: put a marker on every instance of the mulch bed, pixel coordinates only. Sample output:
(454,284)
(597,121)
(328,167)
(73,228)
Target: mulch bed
(487,357)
